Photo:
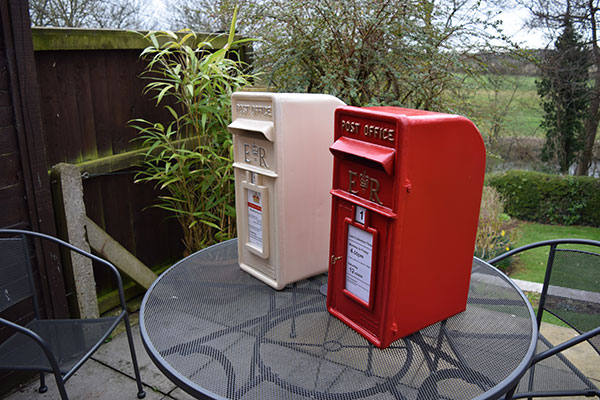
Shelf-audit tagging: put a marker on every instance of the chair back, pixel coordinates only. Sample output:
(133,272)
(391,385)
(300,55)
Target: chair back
(16,280)
(572,289)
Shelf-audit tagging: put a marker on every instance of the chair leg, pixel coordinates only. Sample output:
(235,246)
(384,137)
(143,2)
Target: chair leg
(43,388)
(531,377)
(511,392)
(141,393)
(60,384)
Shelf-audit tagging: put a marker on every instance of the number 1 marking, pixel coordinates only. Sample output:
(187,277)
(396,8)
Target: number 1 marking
(360,215)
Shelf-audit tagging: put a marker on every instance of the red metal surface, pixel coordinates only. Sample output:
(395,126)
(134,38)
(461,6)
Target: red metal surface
(368,151)
(406,194)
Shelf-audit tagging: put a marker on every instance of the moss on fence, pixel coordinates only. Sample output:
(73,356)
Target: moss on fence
(45,39)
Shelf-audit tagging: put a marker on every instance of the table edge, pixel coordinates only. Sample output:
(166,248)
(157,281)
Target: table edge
(514,377)
(181,381)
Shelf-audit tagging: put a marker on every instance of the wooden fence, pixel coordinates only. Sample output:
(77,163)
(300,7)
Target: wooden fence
(90,87)
(25,201)
(66,96)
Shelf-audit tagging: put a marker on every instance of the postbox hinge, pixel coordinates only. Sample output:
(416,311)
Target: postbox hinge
(408,186)
(335,259)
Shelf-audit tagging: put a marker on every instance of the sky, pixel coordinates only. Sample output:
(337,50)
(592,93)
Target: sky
(513,21)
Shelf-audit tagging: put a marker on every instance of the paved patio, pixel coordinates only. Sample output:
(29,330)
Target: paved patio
(109,374)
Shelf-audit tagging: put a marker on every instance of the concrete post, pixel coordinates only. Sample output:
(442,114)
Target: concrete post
(68,194)
(121,258)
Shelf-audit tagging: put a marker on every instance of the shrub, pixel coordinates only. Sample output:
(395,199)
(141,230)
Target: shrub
(549,199)
(493,229)
(191,156)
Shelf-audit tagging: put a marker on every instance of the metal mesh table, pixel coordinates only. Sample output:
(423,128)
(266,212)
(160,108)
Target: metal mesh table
(218,332)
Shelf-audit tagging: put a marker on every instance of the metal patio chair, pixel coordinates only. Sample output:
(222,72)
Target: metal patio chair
(571,292)
(58,346)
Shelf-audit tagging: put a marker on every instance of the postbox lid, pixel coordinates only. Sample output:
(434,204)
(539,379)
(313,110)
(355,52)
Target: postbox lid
(381,155)
(242,124)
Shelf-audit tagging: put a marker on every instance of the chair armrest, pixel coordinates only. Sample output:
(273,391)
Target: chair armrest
(60,242)
(565,345)
(37,339)
(554,242)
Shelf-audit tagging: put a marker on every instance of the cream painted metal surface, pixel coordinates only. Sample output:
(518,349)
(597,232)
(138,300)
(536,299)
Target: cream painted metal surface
(283,172)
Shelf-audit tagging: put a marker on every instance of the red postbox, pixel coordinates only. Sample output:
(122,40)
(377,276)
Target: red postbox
(405,203)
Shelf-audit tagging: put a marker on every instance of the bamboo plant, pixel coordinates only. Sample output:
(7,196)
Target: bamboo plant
(191,156)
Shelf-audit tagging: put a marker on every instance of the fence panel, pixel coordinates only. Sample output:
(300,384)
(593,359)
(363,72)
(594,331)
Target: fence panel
(90,87)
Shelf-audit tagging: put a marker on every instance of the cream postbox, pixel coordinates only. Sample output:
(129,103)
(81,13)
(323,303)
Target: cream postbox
(282,169)
(406,194)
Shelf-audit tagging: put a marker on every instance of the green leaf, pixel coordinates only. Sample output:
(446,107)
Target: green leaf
(172,112)
(154,40)
(208,223)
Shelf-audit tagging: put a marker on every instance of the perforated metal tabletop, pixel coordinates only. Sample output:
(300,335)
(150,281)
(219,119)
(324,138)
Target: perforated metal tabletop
(218,332)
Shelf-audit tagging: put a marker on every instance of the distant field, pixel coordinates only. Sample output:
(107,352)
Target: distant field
(489,98)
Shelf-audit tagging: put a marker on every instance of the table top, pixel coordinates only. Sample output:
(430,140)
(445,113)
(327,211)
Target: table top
(216,331)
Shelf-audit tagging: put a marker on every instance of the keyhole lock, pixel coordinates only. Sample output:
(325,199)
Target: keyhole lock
(334,259)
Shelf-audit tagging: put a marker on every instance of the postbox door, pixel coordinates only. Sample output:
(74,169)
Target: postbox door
(360,241)
(255,214)
(364,189)
(255,173)
(358,252)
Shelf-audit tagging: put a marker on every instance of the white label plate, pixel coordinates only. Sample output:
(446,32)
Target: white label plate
(255,222)
(359,258)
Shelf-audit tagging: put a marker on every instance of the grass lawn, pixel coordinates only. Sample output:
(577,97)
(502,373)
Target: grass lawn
(534,299)
(532,264)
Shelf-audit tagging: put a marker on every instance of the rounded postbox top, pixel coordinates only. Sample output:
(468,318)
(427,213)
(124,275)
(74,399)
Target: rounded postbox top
(394,112)
(282,97)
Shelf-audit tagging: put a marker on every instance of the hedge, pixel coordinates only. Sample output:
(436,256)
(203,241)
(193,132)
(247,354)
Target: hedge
(549,199)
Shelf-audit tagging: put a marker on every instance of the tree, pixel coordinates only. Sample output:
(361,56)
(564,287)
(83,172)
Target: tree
(496,112)
(116,14)
(370,52)
(210,15)
(593,116)
(564,94)
(366,52)
(583,14)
